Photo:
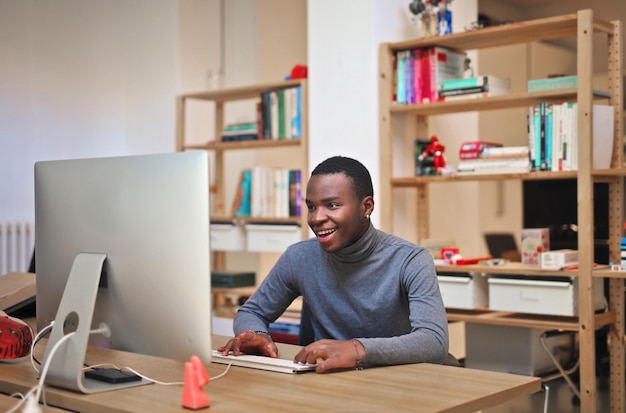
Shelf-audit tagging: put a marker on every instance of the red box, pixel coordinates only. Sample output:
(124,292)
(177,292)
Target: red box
(472,150)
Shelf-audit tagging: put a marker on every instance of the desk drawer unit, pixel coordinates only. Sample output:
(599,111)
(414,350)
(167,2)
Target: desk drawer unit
(464,291)
(271,238)
(551,297)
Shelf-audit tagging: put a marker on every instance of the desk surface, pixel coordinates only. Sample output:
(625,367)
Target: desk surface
(415,387)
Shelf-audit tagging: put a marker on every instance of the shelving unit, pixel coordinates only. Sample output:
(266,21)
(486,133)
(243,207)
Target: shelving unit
(582,26)
(290,153)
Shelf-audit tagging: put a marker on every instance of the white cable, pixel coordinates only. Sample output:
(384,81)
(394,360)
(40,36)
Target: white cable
(35,340)
(44,370)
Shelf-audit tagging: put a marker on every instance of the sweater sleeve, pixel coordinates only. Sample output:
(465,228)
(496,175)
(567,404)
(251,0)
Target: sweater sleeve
(428,339)
(269,301)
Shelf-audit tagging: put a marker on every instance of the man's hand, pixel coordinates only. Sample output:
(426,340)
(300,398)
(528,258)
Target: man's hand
(336,354)
(250,342)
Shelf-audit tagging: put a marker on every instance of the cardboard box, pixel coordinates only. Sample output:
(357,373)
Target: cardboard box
(534,242)
(464,291)
(232,279)
(559,259)
(557,296)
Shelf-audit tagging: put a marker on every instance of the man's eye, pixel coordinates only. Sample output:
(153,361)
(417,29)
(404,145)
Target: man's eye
(333,206)
(310,207)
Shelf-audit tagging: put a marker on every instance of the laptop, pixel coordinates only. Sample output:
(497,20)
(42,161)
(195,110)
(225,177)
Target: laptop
(500,243)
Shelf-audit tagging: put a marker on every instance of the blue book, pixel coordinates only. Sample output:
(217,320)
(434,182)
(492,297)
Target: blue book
(549,124)
(296,120)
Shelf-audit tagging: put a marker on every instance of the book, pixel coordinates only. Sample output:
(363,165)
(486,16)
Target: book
(295,193)
(552,83)
(280,98)
(491,90)
(418,81)
(494,166)
(504,152)
(241,203)
(476,81)
(475,95)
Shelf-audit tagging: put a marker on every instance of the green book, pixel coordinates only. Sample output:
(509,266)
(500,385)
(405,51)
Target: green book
(487,82)
(552,83)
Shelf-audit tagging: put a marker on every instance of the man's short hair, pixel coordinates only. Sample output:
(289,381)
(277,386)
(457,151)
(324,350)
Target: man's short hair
(353,169)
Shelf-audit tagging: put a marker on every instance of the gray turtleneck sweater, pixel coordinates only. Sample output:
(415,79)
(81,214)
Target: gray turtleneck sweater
(382,290)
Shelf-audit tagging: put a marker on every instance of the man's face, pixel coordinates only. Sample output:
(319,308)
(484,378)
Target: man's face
(335,214)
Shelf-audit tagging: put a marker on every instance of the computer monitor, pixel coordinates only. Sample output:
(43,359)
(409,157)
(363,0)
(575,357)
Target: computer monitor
(143,221)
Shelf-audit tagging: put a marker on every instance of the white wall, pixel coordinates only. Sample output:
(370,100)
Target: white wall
(82,79)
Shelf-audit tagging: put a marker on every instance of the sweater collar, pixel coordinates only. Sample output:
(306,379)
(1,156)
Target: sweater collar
(361,249)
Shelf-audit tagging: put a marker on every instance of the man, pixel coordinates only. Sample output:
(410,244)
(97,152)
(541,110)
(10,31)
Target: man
(373,297)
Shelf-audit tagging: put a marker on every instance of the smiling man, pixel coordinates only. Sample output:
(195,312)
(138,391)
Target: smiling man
(373,297)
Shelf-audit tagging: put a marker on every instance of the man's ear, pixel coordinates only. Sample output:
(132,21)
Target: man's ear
(368,205)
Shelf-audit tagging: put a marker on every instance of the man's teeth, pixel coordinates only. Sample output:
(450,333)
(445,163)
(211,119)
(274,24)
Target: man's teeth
(329,231)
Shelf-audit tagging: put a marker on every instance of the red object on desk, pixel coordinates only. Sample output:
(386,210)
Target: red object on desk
(196,378)
(470,261)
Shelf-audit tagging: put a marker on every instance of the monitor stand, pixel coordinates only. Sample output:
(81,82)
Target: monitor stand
(65,368)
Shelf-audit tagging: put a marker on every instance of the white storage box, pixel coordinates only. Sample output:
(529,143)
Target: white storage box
(552,297)
(227,237)
(464,291)
(272,238)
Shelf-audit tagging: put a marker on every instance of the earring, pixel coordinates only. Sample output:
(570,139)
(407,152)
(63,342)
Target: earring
(367,217)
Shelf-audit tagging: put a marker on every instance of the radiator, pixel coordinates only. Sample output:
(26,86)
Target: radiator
(17,243)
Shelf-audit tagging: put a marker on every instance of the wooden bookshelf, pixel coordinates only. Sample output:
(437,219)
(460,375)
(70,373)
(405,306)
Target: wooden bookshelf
(585,28)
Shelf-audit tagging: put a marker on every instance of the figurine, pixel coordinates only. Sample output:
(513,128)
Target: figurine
(435,151)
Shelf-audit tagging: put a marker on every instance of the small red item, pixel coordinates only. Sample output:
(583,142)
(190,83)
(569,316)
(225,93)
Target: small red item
(470,261)
(16,337)
(196,377)
(299,72)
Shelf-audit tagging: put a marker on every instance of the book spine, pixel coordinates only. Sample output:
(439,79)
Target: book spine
(463,83)
(537,135)
(280,98)
(401,93)
(530,125)
(426,75)
(548,136)
(296,121)
(557,83)
(295,193)
(418,81)
(408,78)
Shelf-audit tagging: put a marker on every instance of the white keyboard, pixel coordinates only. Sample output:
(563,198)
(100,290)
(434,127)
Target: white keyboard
(262,362)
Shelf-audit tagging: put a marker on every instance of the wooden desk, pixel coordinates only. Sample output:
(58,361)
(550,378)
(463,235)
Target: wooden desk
(415,388)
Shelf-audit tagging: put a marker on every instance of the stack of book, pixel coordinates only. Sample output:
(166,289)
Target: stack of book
(419,73)
(474,87)
(240,132)
(498,160)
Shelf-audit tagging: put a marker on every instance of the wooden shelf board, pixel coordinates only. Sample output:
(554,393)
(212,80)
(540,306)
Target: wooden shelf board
(255,144)
(512,100)
(506,35)
(609,274)
(528,176)
(240,93)
(216,219)
(511,268)
(505,318)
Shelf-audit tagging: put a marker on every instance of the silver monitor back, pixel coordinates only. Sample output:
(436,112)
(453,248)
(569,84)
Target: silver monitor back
(150,215)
